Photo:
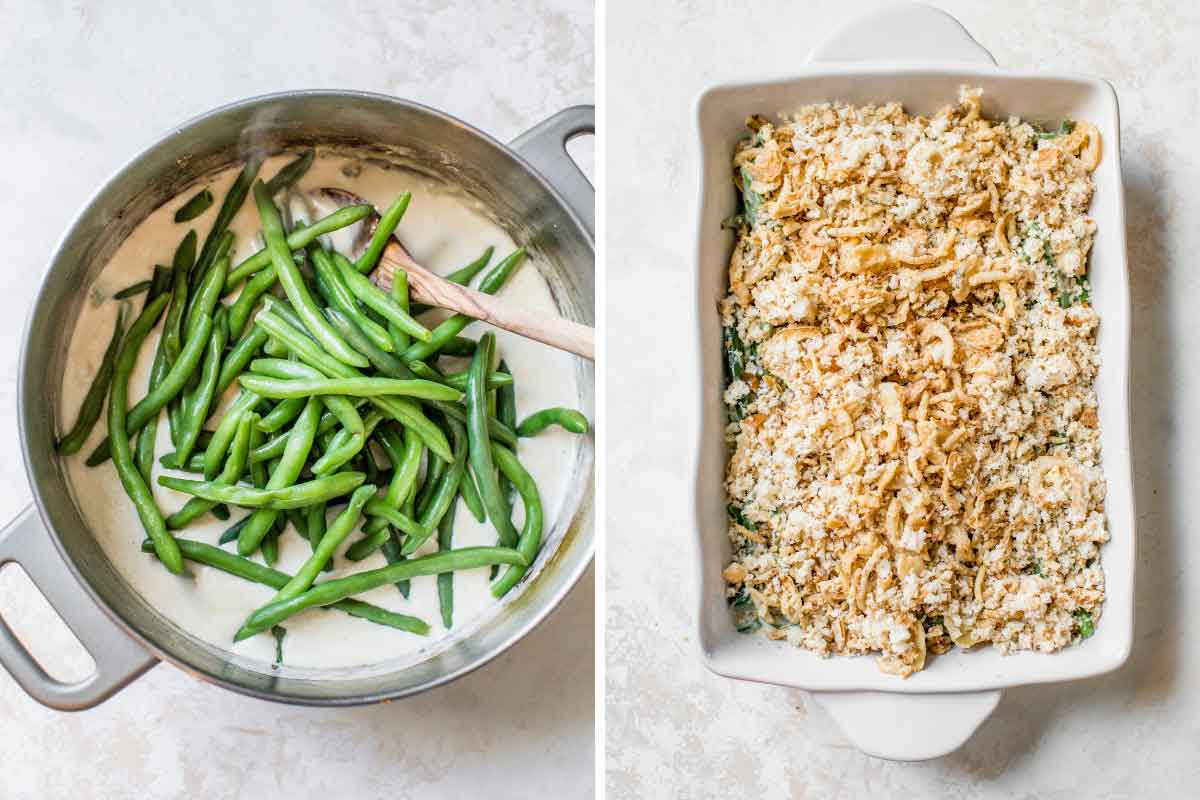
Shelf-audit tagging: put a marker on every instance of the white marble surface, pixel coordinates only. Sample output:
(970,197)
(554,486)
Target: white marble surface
(675,730)
(86,86)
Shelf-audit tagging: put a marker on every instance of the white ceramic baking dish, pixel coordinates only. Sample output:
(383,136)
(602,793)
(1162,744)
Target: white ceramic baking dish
(919,56)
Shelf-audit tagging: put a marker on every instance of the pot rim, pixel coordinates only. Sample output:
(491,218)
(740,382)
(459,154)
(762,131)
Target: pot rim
(582,512)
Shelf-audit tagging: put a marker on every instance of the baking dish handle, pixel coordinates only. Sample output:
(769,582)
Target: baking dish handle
(119,659)
(904,32)
(908,727)
(545,147)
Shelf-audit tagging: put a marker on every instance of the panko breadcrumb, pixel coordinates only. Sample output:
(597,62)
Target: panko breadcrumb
(915,460)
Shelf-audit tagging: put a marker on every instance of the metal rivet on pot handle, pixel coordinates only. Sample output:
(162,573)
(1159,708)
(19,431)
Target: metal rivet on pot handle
(119,659)
(544,147)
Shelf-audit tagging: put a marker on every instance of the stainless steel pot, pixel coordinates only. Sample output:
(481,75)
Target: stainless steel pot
(530,187)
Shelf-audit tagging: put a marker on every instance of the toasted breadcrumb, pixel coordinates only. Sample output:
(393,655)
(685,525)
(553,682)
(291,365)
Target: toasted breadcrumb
(915,457)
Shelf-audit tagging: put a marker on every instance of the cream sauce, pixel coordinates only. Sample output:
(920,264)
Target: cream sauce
(442,230)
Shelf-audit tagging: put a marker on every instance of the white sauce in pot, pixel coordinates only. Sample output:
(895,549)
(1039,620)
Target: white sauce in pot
(443,232)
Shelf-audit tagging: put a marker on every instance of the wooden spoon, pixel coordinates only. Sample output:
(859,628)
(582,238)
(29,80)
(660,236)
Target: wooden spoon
(427,287)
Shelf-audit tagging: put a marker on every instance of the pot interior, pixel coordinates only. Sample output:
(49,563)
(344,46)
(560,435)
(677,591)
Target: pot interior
(403,136)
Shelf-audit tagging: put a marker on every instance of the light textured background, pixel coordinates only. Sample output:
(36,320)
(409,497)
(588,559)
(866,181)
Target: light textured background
(676,731)
(86,86)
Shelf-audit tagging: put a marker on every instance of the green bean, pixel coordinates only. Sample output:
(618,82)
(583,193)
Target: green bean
(495,380)
(207,295)
(444,494)
(342,299)
(154,401)
(230,205)
(295,496)
(240,355)
(243,307)
(93,401)
(234,466)
(481,451)
(429,481)
(270,543)
(298,521)
(401,409)
(147,437)
(531,532)
(347,442)
(284,474)
(470,496)
(294,287)
(405,455)
(462,276)
(445,580)
(249,570)
(329,592)
(195,206)
(382,360)
(258,469)
(337,532)
(375,298)
(290,173)
(181,266)
(132,290)
(506,412)
(379,508)
(196,405)
(296,240)
(368,544)
(383,231)
(228,535)
(496,429)
(282,414)
(214,451)
(454,325)
(400,339)
(139,493)
(221,511)
(567,418)
(276,388)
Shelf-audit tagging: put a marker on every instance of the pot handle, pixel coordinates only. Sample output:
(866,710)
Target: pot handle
(904,32)
(119,659)
(908,727)
(545,147)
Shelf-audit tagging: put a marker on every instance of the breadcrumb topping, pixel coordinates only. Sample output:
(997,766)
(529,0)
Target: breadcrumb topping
(915,460)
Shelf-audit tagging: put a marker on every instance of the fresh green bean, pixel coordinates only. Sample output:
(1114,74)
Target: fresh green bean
(258,469)
(383,361)
(445,580)
(290,173)
(337,532)
(342,299)
(470,496)
(167,389)
(147,437)
(221,511)
(405,455)
(453,326)
(480,443)
(139,493)
(368,544)
(506,413)
(240,355)
(495,380)
(444,494)
(227,535)
(196,206)
(181,267)
(347,442)
(496,429)
(379,508)
(401,409)
(294,287)
(230,205)
(93,401)
(284,474)
(531,531)
(252,571)
(400,338)
(297,495)
(235,464)
(375,298)
(132,290)
(214,451)
(296,240)
(270,543)
(329,592)
(567,418)
(197,404)
(207,295)
(429,481)
(459,347)
(282,414)
(462,276)
(383,231)
(276,388)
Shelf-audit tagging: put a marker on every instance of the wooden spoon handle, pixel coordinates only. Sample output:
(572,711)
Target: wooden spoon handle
(427,287)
